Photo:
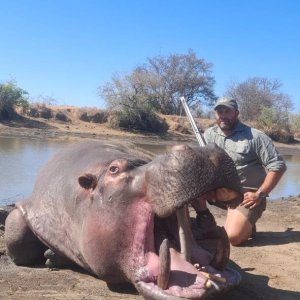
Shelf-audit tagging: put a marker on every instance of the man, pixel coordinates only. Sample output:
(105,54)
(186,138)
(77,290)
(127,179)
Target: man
(258,163)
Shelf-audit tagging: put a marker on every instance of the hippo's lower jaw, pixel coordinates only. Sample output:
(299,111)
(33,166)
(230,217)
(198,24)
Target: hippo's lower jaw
(167,274)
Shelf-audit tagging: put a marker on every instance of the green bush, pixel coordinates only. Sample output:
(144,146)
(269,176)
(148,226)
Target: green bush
(10,96)
(275,125)
(268,118)
(295,122)
(138,119)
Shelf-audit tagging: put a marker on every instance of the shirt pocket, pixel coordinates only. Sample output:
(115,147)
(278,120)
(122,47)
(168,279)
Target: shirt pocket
(239,151)
(242,147)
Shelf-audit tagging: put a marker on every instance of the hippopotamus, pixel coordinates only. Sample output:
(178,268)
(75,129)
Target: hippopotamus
(123,216)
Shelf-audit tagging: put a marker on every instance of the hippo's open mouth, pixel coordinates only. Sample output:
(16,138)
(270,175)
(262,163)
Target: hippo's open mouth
(175,265)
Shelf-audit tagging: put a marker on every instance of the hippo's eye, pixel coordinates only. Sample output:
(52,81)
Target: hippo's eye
(113,169)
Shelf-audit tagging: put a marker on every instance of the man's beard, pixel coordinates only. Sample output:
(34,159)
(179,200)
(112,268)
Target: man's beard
(227,125)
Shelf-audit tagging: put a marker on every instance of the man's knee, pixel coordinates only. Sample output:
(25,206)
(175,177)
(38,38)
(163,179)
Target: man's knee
(236,239)
(238,227)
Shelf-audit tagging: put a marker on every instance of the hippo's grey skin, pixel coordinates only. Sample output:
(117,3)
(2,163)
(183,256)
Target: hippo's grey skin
(111,211)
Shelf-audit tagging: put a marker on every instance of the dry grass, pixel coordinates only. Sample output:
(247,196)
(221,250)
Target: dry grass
(182,125)
(85,119)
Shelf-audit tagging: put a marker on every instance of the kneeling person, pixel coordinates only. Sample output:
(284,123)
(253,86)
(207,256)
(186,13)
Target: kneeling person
(258,163)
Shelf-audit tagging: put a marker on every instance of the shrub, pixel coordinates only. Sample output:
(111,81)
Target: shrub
(275,126)
(138,119)
(98,116)
(268,118)
(281,136)
(33,112)
(295,122)
(62,117)
(45,113)
(40,111)
(10,96)
(85,117)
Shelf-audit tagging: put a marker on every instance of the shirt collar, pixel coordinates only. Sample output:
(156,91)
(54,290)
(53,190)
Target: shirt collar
(239,126)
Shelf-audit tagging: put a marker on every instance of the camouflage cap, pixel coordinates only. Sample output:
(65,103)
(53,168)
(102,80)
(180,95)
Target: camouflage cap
(226,101)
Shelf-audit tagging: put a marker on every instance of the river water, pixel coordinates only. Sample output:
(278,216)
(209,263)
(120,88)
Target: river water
(21,159)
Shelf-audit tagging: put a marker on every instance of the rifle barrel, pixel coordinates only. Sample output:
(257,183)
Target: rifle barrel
(197,133)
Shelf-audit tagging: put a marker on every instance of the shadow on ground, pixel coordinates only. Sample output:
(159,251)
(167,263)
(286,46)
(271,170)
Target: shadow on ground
(256,287)
(274,238)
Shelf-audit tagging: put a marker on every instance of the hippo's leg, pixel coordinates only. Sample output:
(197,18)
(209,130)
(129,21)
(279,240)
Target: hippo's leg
(22,245)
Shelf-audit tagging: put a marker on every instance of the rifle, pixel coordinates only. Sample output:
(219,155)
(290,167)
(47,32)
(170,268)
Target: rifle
(198,135)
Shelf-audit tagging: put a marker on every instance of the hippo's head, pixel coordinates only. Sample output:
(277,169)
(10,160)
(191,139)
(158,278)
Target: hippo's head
(118,215)
(132,230)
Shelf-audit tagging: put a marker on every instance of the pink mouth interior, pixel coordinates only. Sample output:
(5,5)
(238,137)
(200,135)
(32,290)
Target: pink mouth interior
(184,281)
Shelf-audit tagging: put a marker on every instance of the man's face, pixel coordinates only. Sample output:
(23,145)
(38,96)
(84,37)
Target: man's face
(226,117)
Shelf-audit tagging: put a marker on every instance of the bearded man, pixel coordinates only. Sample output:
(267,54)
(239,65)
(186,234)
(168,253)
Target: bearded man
(259,166)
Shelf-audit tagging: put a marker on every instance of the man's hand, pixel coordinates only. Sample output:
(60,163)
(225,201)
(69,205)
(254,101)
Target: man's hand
(251,200)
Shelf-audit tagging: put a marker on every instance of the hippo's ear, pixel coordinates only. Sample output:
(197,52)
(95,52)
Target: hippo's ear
(87,181)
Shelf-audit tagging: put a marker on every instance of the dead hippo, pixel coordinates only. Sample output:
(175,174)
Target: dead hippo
(113,211)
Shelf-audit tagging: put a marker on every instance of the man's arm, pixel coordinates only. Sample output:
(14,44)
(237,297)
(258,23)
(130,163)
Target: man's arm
(251,199)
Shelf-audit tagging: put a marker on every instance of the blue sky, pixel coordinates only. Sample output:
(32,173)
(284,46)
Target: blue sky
(66,49)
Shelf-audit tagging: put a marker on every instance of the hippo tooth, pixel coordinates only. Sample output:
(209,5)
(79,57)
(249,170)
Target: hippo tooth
(184,232)
(165,264)
(208,284)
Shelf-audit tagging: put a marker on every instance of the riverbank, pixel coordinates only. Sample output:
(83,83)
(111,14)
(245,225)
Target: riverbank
(78,130)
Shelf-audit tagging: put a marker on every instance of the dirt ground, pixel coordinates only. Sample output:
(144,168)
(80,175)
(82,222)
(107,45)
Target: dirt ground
(269,264)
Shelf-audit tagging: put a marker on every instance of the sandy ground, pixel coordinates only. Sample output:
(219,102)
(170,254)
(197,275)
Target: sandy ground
(269,264)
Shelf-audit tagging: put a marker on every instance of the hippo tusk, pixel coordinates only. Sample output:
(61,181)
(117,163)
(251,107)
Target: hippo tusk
(213,277)
(165,264)
(209,283)
(210,276)
(184,232)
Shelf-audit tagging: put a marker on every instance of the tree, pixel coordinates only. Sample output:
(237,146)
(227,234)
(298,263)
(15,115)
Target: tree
(10,96)
(161,82)
(255,94)
(295,123)
(133,109)
(127,91)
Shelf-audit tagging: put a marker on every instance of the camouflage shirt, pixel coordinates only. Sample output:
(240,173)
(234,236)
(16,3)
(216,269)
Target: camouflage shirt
(252,151)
